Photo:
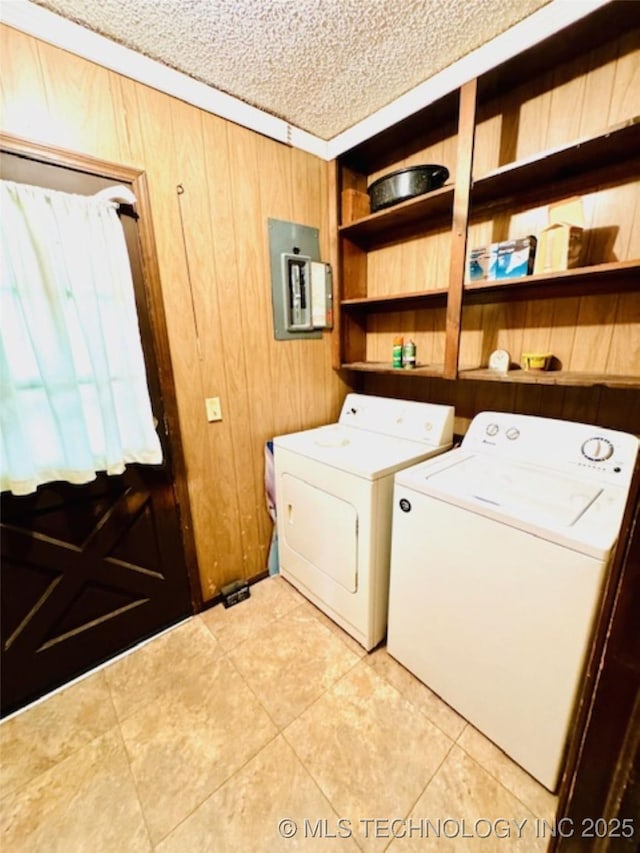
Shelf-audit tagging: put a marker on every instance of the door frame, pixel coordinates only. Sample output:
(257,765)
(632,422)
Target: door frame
(603,754)
(155,305)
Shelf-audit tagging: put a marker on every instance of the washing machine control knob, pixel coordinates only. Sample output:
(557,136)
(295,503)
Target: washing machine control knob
(597,449)
(492,429)
(513,433)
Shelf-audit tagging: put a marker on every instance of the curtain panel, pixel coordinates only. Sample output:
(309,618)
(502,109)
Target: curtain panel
(73,385)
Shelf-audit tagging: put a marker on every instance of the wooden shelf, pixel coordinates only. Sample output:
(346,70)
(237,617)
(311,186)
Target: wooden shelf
(538,175)
(551,377)
(614,277)
(433,208)
(582,281)
(401,301)
(516,375)
(386,367)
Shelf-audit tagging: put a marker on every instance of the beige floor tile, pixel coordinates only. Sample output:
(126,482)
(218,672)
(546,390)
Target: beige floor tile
(210,769)
(168,660)
(49,732)
(467,803)
(335,629)
(187,743)
(369,750)
(86,802)
(534,795)
(417,693)
(291,662)
(247,811)
(270,599)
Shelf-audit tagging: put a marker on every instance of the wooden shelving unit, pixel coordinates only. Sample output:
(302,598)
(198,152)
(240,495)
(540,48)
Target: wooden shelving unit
(596,165)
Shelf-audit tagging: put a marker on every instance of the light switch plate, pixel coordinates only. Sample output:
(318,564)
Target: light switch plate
(214,412)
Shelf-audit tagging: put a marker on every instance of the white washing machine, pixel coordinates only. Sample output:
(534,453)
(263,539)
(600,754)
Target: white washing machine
(499,552)
(334,494)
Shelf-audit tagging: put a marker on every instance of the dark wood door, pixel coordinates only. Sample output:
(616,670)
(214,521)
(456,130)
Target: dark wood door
(88,571)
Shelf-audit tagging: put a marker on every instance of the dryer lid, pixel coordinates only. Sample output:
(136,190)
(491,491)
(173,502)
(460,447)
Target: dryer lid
(428,423)
(530,494)
(356,451)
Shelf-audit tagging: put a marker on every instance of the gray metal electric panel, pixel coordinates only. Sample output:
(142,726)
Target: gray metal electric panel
(286,237)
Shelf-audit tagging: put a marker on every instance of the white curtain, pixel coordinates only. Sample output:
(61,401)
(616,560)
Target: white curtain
(74,396)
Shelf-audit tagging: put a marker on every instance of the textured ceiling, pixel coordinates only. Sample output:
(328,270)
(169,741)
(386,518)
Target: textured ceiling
(322,65)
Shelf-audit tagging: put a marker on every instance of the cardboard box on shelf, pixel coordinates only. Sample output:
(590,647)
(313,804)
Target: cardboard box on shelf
(560,243)
(479,263)
(355,205)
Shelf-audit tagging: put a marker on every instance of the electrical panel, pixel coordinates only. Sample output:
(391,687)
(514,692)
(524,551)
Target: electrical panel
(302,289)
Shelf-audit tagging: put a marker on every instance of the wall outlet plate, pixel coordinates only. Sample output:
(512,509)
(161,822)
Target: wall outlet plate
(214,411)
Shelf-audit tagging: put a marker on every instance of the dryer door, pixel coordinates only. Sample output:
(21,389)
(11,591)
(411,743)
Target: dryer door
(322,529)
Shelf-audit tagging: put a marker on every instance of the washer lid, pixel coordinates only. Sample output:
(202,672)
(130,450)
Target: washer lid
(531,494)
(356,451)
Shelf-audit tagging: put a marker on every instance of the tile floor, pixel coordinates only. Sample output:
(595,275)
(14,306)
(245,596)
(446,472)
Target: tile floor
(211,734)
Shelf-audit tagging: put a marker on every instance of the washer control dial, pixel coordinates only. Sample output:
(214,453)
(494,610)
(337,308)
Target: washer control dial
(513,433)
(492,429)
(597,449)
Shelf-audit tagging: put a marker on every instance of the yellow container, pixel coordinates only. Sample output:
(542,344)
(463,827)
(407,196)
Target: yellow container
(535,360)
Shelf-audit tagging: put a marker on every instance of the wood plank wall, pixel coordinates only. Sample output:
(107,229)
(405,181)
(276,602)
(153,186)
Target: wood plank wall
(586,333)
(233,180)
(606,407)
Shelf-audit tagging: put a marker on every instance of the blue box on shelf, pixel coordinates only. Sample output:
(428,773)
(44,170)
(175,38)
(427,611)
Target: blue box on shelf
(512,258)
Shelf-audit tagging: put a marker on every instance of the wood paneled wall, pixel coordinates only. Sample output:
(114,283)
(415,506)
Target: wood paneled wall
(607,407)
(233,181)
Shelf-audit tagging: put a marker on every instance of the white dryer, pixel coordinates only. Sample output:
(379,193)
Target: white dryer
(334,493)
(500,548)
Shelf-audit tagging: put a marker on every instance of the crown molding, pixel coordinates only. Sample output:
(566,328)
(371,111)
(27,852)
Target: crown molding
(49,27)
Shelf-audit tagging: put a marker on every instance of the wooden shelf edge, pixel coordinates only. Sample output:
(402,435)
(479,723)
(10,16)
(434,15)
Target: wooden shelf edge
(620,127)
(594,274)
(517,376)
(436,203)
(584,153)
(598,273)
(385,367)
(551,377)
(396,299)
